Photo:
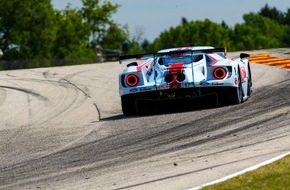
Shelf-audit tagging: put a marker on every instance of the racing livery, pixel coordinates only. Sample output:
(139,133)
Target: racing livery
(185,72)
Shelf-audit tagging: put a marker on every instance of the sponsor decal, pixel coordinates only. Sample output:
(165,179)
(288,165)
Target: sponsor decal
(204,83)
(183,48)
(188,84)
(145,88)
(133,90)
(243,73)
(217,83)
(163,87)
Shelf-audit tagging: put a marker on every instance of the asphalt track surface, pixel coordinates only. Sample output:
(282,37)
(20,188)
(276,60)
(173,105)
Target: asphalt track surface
(63,128)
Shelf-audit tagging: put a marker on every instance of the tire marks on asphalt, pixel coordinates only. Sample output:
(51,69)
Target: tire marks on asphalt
(26,91)
(51,109)
(118,144)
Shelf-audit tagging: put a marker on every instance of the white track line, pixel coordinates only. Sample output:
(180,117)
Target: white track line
(242,172)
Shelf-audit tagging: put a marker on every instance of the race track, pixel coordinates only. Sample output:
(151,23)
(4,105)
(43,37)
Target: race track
(63,128)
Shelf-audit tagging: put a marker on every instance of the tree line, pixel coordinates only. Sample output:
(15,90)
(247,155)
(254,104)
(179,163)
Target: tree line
(35,34)
(269,28)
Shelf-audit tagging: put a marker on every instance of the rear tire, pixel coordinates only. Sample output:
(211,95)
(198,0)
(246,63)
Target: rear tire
(249,90)
(234,95)
(128,105)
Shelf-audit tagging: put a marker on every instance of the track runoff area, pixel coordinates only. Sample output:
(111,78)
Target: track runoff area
(267,59)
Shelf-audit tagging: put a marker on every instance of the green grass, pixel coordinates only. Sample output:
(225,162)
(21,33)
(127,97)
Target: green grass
(275,176)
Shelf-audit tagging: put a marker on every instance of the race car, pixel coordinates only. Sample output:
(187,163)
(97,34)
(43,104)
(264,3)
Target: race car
(184,73)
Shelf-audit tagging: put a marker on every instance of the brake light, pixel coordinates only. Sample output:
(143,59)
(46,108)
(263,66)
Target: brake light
(220,73)
(132,80)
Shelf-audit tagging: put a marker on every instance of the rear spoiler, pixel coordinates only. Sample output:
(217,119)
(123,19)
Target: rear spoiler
(152,55)
(136,56)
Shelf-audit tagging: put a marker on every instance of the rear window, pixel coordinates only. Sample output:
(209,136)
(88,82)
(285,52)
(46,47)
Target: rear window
(183,59)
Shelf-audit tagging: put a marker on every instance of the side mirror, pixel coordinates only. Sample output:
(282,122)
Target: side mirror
(244,55)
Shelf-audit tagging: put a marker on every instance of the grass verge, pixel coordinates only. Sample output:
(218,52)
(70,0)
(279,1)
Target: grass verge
(273,176)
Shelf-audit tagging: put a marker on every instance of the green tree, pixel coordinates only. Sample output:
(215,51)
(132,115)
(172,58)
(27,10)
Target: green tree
(113,37)
(195,32)
(224,24)
(287,35)
(279,17)
(72,40)
(135,47)
(184,21)
(98,18)
(258,32)
(287,18)
(145,45)
(27,29)
(33,29)
(272,13)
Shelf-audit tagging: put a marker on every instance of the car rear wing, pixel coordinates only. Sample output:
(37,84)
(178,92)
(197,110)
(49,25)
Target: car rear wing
(136,57)
(171,53)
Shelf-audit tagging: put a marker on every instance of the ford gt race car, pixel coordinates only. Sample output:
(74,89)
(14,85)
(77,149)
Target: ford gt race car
(191,73)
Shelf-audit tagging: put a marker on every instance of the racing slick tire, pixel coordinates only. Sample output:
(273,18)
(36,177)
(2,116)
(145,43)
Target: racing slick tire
(128,105)
(235,95)
(250,83)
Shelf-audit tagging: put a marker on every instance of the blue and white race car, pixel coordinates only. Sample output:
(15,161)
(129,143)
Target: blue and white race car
(185,72)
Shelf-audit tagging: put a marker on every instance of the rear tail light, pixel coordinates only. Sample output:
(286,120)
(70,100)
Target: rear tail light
(132,80)
(220,73)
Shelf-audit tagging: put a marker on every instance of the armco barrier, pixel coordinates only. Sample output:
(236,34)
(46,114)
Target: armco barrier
(265,58)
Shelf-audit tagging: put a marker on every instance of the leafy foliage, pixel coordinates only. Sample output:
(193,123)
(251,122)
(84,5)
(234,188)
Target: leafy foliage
(113,37)
(279,17)
(27,29)
(258,32)
(196,32)
(98,17)
(72,39)
(270,28)
(34,34)
(273,14)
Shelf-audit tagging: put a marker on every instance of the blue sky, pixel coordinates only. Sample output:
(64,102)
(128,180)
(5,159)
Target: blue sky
(154,16)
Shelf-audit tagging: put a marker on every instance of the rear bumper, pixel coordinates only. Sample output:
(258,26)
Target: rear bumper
(164,105)
(181,93)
